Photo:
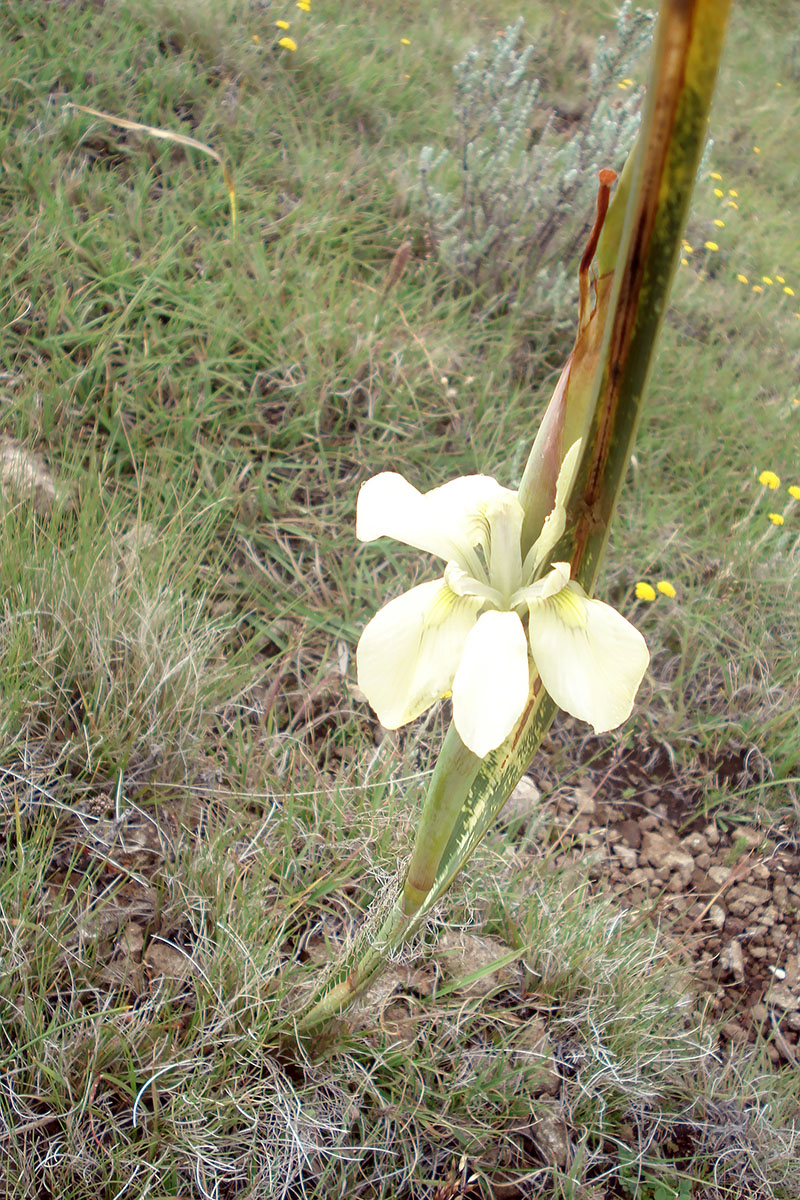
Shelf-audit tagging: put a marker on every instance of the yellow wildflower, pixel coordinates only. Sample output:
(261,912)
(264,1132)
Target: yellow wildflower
(282,24)
(684,262)
(718,192)
(780,279)
(712,246)
(776,518)
(644,591)
(789,291)
(405,42)
(742,279)
(794,492)
(769,479)
(766,279)
(303,5)
(757,288)
(756,149)
(732,192)
(666,588)
(716,175)
(288,43)
(629,82)
(256,38)
(719,224)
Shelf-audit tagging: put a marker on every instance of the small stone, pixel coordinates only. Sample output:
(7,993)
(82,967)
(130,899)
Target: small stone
(731,961)
(711,834)
(552,1138)
(522,802)
(628,858)
(793,1020)
(780,997)
(719,874)
(681,863)
(655,849)
(703,861)
(695,843)
(734,1032)
(759,1013)
(717,916)
(780,896)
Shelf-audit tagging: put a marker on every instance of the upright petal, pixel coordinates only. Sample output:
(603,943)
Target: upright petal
(590,658)
(555,523)
(409,652)
(490,689)
(449,521)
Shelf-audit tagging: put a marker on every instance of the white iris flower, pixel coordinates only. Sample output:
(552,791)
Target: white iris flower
(469,632)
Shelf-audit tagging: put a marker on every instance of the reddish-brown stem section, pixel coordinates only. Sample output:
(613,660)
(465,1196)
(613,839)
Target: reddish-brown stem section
(607,177)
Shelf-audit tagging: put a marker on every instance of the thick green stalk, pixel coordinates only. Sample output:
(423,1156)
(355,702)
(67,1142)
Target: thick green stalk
(599,398)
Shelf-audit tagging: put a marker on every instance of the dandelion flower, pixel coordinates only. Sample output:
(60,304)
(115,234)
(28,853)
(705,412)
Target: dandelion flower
(776,518)
(719,192)
(794,492)
(769,479)
(742,279)
(666,588)
(288,43)
(643,591)
(711,246)
(282,24)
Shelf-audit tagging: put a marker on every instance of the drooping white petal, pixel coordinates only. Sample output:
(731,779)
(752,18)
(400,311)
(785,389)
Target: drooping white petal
(490,688)
(409,652)
(449,521)
(555,523)
(590,658)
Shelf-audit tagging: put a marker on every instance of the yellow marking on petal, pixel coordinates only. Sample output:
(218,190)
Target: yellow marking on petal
(644,591)
(776,518)
(769,479)
(711,246)
(666,588)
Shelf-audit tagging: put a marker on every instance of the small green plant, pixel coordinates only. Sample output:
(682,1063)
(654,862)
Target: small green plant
(497,196)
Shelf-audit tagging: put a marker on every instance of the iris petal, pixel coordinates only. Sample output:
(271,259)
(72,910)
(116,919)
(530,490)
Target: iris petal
(490,688)
(449,521)
(590,659)
(409,652)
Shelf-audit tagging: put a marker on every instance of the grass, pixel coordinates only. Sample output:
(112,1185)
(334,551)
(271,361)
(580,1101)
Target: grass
(197,805)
